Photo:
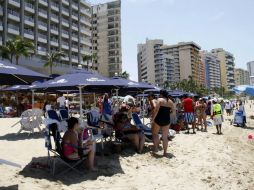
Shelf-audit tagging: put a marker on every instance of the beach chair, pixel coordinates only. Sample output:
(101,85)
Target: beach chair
(93,119)
(64,114)
(57,151)
(1,112)
(28,122)
(147,130)
(53,117)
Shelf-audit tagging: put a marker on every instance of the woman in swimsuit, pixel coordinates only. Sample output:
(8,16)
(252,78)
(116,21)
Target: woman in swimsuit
(71,144)
(161,120)
(201,113)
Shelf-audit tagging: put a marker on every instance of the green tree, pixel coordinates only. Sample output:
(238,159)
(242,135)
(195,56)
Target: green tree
(87,58)
(124,75)
(15,48)
(52,58)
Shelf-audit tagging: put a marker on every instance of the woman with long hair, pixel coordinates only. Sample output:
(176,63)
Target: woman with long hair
(161,120)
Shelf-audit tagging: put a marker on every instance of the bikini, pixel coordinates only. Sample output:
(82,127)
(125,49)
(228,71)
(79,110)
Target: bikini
(163,116)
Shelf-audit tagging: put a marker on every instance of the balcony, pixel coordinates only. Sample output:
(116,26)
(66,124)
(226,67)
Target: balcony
(74,16)
(74,38)
(85,51)
(74,26)
(54,42)
(43,2)
(13,15)
(43,13)
(54,30)
(86,12)
(1,26)
(74,59)
(86,21)
(55,6)
(1,11)
(14,2)
(29,34)
(65,45)
(75,6)
(65,34)
(42,25)
(74,48)
(65,22)
(65,58)
(86,41)
(29,7)
(42,38)
(54,18)
(66,2)
(86,31)
(13,29)
(65,11)
(42,51)
(29,20)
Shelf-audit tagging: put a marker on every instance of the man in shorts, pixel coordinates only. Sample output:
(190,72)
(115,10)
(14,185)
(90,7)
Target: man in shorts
(217,116)
(189,117)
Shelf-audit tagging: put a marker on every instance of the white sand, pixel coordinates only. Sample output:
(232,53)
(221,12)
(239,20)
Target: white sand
(201,161)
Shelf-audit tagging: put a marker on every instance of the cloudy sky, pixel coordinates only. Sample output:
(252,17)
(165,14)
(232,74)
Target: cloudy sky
(227,24)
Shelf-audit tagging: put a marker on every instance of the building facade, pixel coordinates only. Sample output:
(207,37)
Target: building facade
(159,64)
(212,70)
(106,38)
(227,68)
(242,77)
(250,69)
(52,25)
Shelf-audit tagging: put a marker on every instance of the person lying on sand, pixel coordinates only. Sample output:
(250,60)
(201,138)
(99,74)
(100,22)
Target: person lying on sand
(124,129)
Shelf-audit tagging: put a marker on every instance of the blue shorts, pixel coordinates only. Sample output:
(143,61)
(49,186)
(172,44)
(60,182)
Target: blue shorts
(189,117)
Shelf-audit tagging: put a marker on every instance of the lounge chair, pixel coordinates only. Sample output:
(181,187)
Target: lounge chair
(53,117)
(64,114)
(29,121)
(57,151)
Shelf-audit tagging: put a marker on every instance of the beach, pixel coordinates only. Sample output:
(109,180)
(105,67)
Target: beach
(201,161)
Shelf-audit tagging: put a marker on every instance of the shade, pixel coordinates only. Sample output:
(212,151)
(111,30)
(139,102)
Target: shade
(77,78)
(244,89)
(11,74)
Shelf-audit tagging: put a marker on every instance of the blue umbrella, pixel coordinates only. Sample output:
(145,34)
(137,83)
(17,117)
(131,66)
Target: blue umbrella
(11,74)
(244,89)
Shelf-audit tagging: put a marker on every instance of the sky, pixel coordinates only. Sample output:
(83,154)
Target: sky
(227,24)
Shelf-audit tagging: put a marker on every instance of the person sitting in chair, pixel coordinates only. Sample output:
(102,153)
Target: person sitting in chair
(125,130)
(71,144)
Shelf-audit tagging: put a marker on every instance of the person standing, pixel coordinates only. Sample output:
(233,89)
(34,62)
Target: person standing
(201,113)
(217,116)
(228,108)
(61,101)
(106,106)
(161,120)
(152,103)
(189,116)
(241,108)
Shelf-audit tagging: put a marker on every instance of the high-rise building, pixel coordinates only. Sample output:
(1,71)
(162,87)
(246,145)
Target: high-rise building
(52,25)
(186,61)
(227,68)
(250,68)
(242,77)
(212,70)
(147,54)
(158,63)
(106,37)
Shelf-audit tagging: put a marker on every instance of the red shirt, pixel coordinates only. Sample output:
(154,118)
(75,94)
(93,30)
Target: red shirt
(188,105)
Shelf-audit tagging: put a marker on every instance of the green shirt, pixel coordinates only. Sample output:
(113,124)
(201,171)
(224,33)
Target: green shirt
(217,109)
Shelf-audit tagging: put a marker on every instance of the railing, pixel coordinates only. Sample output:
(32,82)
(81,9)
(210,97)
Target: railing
(65,43)
(54,28)
(42,23)
(55,5)
(30,32)
(75,25)
(42,11)
(42,36)
(54,15)
(65,32)
(17,1)
(12,12)
(54,40)
(65,20)
(13,27)
(31,19)
(65,10)
(29,5)
(42,49)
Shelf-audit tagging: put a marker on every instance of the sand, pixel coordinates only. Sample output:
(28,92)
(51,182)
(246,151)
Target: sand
(201,161)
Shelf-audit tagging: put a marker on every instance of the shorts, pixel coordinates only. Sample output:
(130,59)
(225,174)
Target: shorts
(217,120)
(189,117)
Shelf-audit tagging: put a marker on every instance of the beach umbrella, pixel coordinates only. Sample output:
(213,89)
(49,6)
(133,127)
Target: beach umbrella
(11,74)
(80,79)
(247,89)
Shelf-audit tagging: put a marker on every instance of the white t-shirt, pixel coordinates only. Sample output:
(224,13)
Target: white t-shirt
(48,107)
(227,106)
(61,101)
(67,103)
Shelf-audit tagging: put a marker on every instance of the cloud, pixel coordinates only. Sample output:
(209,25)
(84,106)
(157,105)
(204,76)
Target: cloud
(217,16)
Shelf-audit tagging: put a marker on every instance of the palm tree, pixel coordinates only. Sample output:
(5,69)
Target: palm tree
(52,58)
(87,58)
(16,47)
(124,75)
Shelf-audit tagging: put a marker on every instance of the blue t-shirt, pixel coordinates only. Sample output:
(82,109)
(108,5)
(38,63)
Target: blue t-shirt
(107,109)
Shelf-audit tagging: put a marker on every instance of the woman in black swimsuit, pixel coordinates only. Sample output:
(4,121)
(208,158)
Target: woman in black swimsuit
(164,107)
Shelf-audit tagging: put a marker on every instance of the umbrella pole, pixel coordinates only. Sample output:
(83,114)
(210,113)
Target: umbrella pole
(32,99)
(80,102)
(94,100)
(143,108)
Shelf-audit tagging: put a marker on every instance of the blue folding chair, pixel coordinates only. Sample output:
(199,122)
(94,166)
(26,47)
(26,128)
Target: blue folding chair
(137,121)
(53,115)
(64,114)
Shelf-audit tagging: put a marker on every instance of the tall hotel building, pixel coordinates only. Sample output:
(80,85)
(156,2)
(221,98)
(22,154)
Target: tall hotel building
(242,77)
(227,68)
(212,70)
(106,34)
(250,68)
(52,25)
(158,63)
